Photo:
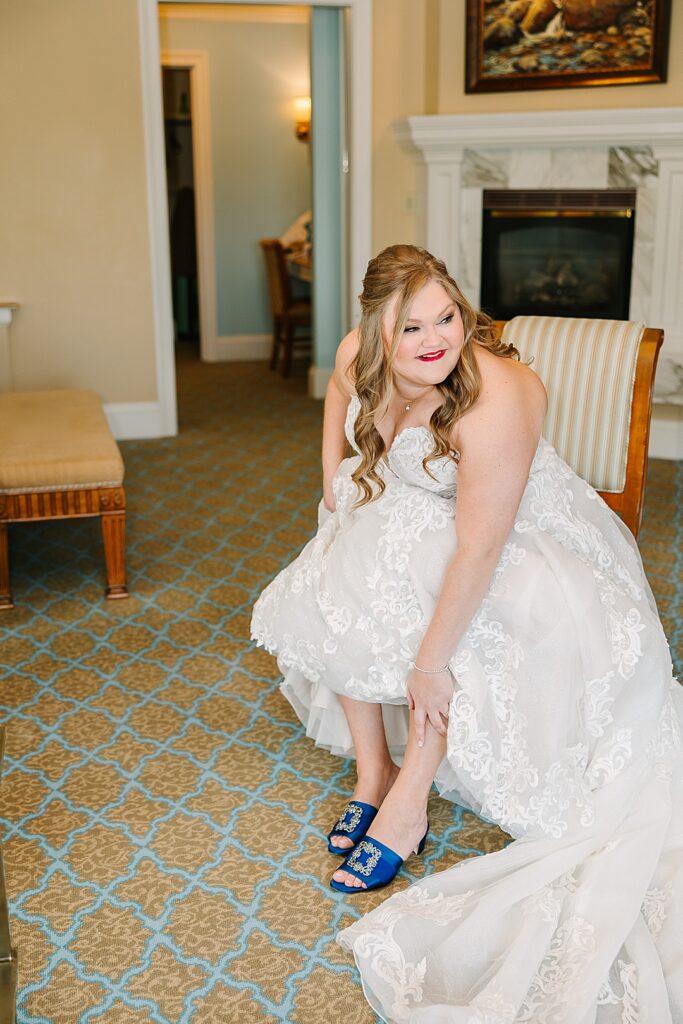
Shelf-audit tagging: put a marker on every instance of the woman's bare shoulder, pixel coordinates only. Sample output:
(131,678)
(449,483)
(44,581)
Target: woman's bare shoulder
(346,353)
(498,371)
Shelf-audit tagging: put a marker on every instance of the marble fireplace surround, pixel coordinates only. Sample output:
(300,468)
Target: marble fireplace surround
(460,155)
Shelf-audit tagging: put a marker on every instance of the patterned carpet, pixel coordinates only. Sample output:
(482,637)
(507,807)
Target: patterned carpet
(162,811)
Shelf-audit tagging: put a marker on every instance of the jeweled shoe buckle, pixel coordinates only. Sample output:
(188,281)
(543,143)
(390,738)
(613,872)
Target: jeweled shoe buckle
(364,858)
(349,819)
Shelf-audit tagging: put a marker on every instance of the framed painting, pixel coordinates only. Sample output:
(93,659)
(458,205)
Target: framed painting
(562,44)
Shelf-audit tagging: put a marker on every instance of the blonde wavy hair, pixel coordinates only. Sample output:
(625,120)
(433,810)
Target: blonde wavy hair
(405,270)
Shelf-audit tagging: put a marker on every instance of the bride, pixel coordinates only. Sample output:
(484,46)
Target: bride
(505,644)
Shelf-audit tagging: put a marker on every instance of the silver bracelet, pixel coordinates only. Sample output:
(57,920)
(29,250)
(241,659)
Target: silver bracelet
(429,671)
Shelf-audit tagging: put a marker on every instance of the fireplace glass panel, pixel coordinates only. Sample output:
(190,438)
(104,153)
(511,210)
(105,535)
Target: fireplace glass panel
(552,263)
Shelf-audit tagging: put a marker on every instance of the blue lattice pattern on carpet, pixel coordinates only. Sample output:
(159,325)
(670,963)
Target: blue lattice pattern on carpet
(163,813)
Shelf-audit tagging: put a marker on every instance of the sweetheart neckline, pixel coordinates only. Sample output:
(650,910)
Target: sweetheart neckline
(403,430)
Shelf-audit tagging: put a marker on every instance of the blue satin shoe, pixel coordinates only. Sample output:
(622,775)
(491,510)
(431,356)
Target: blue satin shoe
(353,824)
(374,863)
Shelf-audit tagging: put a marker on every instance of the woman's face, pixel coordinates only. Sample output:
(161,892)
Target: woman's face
(432,338)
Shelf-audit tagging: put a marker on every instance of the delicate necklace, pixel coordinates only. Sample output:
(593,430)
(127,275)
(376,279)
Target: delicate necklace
(413,401)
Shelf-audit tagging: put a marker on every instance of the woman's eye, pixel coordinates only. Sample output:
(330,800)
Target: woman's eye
(410,330)
(446,319)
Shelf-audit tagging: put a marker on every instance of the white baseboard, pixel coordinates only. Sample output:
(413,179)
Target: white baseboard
(241,348)
(139,420)
(666,432)
(318,379)
(129,421)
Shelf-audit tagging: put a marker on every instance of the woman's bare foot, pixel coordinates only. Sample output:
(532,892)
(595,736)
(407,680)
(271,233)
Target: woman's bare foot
(397,827)
(372,790)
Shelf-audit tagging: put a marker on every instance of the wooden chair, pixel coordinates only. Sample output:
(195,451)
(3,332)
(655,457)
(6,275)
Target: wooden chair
(599,375)
(287,314)
(58,459)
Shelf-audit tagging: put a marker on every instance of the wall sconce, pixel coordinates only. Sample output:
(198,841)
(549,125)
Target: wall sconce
(302,117)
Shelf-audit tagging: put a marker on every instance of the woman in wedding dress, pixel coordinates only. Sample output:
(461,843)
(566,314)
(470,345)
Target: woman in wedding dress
(505,644)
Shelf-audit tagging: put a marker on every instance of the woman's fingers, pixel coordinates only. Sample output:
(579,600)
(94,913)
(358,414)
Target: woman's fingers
(422,715)
(437,722)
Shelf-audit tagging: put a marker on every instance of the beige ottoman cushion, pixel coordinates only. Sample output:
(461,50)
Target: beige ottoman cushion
(56,440)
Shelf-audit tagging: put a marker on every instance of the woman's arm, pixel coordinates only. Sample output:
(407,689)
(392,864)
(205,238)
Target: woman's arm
(497,441)
(336,404)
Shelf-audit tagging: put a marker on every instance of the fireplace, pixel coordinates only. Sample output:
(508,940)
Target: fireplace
(557,252)
(460,155)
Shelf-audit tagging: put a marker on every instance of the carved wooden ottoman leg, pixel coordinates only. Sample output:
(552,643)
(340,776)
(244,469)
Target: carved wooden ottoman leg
(113,534)
(5,594)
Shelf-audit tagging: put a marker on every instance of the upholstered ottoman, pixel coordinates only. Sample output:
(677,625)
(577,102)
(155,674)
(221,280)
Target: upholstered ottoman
(58,459)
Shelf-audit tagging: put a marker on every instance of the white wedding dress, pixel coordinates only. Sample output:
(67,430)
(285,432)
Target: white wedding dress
(565,729)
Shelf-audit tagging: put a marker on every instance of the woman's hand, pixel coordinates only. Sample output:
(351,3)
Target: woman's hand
(429,697)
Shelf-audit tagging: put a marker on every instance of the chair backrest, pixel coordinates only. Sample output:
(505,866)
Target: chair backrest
(599,375)
(278,278)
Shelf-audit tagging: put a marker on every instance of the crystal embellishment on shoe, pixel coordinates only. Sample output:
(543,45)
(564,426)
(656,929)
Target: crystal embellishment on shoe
(353,824)
(368,865)
(374,864)
(349,819)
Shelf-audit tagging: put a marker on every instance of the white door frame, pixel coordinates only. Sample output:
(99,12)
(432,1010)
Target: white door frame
(197,63)
(360,161)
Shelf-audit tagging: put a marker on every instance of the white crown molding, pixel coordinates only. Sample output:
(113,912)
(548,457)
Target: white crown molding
(287,14)
(447,134)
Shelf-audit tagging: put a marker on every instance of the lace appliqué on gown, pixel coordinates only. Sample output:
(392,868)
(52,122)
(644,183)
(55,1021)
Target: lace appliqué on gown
(564,729)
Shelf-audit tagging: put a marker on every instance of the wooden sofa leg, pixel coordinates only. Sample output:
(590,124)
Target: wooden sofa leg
(114,534)
(5,593)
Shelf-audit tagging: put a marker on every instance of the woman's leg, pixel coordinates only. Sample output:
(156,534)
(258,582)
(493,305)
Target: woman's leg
(374,767)
(402,818)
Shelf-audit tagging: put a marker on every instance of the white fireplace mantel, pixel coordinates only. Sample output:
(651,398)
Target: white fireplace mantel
(459,155)
(441,135)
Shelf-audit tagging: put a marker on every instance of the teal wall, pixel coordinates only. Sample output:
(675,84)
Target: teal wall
(326,141)
(261,171)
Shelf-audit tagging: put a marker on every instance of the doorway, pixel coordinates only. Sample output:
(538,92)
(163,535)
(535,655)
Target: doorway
(359,19)
(246,65)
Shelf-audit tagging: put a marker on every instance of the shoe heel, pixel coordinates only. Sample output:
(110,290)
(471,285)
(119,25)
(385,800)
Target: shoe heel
(421,846)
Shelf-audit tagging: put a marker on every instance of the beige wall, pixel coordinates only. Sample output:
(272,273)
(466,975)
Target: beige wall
(419,55)
(400,84)
(73,207)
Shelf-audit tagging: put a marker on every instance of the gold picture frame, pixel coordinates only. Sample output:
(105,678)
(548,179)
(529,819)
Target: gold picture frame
(563,44)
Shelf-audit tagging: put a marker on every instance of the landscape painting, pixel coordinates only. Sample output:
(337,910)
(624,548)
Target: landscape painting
(548,44)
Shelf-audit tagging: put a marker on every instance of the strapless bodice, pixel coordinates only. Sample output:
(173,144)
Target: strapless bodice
(404,460)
